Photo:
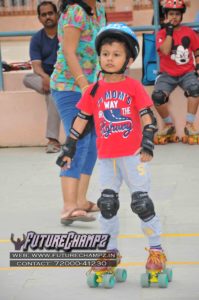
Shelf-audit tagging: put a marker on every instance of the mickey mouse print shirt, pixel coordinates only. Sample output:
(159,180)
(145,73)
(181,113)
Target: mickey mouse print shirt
(180,60)
(115,109)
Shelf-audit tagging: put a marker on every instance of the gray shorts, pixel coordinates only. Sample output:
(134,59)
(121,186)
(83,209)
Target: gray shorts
(129,169)
(167,83)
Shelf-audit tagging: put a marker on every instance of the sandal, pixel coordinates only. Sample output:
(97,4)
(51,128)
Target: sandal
(70,218)
(53,147)
(92,207)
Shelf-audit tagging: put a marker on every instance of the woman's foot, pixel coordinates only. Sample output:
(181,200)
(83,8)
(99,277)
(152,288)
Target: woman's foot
(76,214)
(53,146)
(89,206)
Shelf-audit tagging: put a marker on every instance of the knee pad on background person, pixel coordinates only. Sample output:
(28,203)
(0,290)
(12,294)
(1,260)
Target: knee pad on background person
(108,203)
(142,205)
(159,98)
(192,91)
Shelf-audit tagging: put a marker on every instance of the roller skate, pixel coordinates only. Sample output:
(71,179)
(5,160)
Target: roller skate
(156,271)
(166,135)
(191,135)
(105,272)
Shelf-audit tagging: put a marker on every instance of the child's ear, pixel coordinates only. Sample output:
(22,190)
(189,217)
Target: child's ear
(131,60)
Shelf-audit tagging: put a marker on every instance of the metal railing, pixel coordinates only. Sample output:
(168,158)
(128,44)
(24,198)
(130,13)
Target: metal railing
(154,28)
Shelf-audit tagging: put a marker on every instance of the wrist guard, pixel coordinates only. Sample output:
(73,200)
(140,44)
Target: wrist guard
(169,29)
(68,149)
(147,140)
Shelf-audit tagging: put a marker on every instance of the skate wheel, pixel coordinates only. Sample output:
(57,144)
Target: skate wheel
(184,139)
(174,139)
(191,140)
(120,275)
(163,280)
(163,141)
(108,281)
(144,280)
(92,280)
(169,274)
(155,140)
(195,139)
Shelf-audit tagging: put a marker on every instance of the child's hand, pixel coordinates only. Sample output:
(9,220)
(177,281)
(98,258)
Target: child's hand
(67,165)
(145,157)
(169,26)
(68,151)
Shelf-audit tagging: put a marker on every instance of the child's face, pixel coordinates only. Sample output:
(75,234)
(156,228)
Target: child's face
(174,17)
(112,57)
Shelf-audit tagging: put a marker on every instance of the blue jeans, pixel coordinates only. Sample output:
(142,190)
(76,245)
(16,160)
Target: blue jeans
(85,156)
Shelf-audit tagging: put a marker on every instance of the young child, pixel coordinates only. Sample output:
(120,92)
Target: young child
(119,104)
(176,46)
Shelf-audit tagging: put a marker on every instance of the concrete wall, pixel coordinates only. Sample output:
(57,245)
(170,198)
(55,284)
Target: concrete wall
(13,81)
(23,112)
(23,119)
(19,23)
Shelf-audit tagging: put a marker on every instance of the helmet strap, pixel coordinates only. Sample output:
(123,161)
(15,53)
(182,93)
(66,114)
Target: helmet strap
(96,85)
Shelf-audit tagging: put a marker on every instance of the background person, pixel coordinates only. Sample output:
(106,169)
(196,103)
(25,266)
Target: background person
(176,46)
(161,10)
(74,70)
(43,53)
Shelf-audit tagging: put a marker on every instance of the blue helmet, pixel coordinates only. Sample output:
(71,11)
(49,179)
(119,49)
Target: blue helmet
(120,32)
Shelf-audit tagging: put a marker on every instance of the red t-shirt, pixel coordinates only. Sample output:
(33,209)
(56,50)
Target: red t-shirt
(180,60)
(115,109)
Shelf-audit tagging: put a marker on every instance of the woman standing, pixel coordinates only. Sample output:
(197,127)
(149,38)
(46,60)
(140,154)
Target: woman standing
(74,70)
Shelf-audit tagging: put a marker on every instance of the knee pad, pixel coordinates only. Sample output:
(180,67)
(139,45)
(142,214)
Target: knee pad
(142,205)
(159,98)
(192,91)
(108,203)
